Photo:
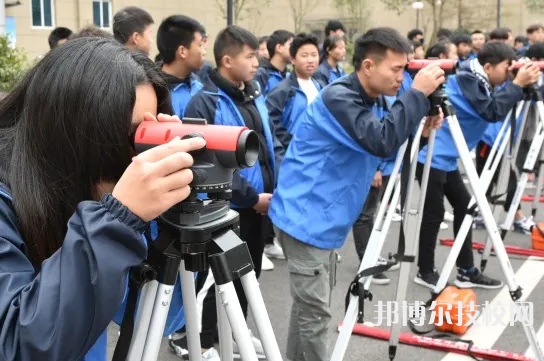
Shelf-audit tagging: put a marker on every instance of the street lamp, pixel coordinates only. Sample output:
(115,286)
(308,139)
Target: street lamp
(417,5)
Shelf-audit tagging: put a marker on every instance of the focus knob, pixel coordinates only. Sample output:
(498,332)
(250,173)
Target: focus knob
(198,152)
(199,177)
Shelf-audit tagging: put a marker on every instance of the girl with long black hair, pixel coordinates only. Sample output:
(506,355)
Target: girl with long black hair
(75,198)
(334,52)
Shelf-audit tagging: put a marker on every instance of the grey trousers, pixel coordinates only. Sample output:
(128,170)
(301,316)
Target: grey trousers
(312,273)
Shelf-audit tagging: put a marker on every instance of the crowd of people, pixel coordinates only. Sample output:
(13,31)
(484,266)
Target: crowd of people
(77,202)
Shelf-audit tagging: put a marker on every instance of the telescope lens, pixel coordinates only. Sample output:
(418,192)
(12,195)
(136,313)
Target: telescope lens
(247,150)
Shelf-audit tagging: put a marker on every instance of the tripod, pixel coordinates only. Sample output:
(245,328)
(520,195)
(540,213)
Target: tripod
(194,237)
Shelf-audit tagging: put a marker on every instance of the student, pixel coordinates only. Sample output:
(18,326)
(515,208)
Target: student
(442,50)
(67,249)
(499,34)
(476,105)
(320,192)
(520,42)
(334,51)
(263,50)
(206,67)
(463,42)
(133,26)
(419,52)
(231,97)
(58,36)
(180,43)
(275,70)
(416,35)
(535,34)
(478,40)
(335,28)
(292,96)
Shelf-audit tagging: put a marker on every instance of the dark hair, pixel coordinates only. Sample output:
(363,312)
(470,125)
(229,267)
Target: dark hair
(83,94)
(334,25)
(495,52)
(535,51)
(91,30)
(535,27)
(128,21)
(303,39)
(521,39)
(442,47)
(499,34)
(263,39)
(57,35)
(376,42)
(462,38)
(477,32)
(444,33)
(416,44)
(231,40)
(278,37)
(331,42)
(413,33)
(176,31)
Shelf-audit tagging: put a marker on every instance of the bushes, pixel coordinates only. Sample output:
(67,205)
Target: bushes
(12,64)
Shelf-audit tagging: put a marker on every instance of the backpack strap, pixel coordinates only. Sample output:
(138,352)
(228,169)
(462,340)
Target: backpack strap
(4,193)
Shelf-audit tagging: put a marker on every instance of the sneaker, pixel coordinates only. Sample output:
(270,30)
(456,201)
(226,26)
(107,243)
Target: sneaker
(266,264)
(274,250)
(395,267)
(524,225)
(380,279)
(476,279)
(443,226)
(428,280)
(256,344)
(179,347)
(448,217)
(478,221)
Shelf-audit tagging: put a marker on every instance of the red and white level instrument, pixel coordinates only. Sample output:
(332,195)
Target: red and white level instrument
(509,249)
(440,344)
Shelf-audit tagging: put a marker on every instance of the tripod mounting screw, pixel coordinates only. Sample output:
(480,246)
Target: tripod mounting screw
(165,303)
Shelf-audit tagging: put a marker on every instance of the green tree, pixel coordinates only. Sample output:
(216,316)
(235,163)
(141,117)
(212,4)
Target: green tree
(535,5)
(437,9)
(12,64)
(299,10)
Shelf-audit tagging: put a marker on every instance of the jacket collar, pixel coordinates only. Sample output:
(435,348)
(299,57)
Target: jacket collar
(358,87)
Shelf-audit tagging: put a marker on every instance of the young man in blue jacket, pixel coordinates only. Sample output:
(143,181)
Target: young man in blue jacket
(274,70)
(471,91)
(328,169)
(180,43)
(291,97)
(231,97)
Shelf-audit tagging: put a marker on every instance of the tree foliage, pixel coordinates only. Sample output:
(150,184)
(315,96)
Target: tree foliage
(12,64)
(299,10)
(358,13)
(243,9)
(535,5)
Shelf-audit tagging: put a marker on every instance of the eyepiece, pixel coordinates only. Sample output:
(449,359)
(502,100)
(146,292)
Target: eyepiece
(247,150)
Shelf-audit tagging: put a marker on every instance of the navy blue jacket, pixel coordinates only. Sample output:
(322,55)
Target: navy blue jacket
(214,105)
(285,103)
(325,74)
(268,76)
(204,71)
(475,106)
(181,91)
(78,290)
(332,159)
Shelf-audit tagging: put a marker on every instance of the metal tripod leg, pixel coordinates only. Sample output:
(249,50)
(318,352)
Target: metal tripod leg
(508,163)
(191,313)
(142,319)
(373,249)
(224,330)
(540,179)
(412,239)
(490,168)
(490,224)
(532,156)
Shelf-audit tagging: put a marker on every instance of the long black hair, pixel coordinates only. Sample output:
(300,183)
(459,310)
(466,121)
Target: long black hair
(66,128)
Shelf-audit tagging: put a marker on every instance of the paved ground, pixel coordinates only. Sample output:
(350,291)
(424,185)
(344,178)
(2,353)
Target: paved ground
(529,273)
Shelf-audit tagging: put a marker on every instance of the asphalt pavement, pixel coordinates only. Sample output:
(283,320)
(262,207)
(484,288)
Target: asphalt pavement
(529,275)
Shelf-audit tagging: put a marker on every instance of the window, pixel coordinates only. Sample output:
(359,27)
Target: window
(102,14)
(42,13)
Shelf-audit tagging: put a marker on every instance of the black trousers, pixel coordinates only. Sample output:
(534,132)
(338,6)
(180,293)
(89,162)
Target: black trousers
(440,184)
(482,153)
(253,230)
(362,228)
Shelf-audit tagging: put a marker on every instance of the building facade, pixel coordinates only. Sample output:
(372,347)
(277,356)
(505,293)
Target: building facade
(30,23)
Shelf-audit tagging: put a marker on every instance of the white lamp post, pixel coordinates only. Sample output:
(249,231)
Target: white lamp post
(417,5)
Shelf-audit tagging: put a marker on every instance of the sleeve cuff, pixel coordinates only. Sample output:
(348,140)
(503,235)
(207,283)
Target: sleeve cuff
(122,213)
